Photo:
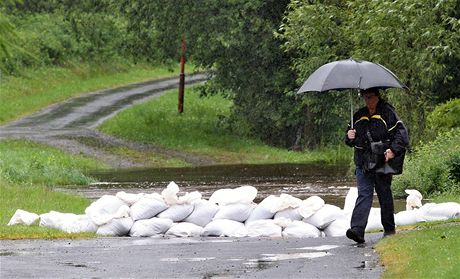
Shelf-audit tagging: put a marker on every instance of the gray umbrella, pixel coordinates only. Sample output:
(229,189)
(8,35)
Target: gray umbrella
(350,74)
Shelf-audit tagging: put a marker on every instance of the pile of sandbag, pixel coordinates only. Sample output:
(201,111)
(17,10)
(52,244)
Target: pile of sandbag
(228,212)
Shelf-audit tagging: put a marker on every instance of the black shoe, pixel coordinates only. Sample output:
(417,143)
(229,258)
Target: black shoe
(388,233)
(353,235)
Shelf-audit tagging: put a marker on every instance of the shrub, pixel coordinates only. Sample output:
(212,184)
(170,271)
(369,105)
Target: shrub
(434,167)
(444,117)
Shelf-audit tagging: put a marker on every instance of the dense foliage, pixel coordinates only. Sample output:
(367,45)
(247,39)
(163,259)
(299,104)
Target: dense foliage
(258,52)
(434,168)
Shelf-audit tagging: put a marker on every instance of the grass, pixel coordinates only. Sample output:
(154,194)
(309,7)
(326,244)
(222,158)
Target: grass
(28,163)
(38,88)
(423,250)
(197,131)
(37,199)
(429,251)
(28,173)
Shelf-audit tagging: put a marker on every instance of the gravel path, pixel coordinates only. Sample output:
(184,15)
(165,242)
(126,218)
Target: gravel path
(71,125)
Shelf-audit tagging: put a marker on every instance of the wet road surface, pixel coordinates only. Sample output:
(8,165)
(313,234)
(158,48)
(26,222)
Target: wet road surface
(332,257)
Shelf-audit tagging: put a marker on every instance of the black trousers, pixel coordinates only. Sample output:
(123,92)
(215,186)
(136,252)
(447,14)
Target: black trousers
(366,183)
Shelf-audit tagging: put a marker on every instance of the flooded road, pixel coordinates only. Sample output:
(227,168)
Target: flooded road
(330,182)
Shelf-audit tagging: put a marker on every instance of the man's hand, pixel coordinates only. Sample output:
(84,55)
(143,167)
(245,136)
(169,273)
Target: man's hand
(351,134)
(389,155)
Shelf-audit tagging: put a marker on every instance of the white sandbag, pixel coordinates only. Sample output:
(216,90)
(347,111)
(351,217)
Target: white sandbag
(350,199)
(301,229)
(147,207)
(22,217)
(408,217)
(288,202)
(105,209)
(289,213)
(265,209)
(177,212)
(311,205)
(169,194)
(184,229)
(374,222)
(116,227)
(150,227)
(324,216)
(129,198)
(190,198)
(203,213)
(414,200)
(282,222)
(67,222)
(224,227)
(263,228)
(243,194)
(337,228)
(239,212)
(440,211)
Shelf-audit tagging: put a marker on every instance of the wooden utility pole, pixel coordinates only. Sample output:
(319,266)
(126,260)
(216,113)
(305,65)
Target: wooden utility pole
(182,78)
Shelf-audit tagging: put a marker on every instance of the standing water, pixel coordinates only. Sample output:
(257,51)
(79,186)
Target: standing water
(330,182)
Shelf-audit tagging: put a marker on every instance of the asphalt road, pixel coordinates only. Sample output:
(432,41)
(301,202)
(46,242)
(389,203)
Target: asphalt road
(328,257)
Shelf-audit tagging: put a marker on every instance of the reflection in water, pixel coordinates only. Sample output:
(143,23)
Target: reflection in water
(330,182)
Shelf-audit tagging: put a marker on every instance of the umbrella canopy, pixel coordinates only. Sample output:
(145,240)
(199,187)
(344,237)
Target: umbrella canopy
(350,74)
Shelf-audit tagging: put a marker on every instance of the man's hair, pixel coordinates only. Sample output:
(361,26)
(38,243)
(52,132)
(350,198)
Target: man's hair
(370,90)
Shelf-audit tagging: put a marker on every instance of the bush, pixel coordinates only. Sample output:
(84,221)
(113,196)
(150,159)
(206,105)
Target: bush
(444,117)
(433,168)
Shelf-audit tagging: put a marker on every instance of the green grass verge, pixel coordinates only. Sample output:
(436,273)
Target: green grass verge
(423,250)
(36,199)
(197,131)
(28,163)
(28,172)
(38,88)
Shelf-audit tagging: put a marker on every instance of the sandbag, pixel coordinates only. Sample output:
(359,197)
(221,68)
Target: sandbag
(408,217)
(243,194)
(287,201)
(177,212)
(309,206)
(263,228)
(289,213)
(105,209)
(350,200)
(224,227)
(203,212)
(301,229)
(22,217)
(67,222)
(266,209)
(184,229)
(414,200)
(129,198)
(169,194)
(338,227)
(374,222)
(150,227)
(116,227)
(440,211)
(324,216)
(239,212)
(147,207)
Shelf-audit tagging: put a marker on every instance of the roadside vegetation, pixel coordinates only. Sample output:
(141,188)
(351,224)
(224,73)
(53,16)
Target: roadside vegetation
(28,174)
(199,130)
(425,251)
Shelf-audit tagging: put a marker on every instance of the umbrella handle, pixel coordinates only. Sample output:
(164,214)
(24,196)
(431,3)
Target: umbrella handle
(351,109)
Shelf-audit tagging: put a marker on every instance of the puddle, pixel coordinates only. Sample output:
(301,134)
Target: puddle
(6,254)
(319,248)
(367,265)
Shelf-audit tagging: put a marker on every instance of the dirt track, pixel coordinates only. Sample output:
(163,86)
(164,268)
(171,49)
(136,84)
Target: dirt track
(71,125)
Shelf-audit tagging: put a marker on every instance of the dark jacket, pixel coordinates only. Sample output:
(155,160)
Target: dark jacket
(383,126)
